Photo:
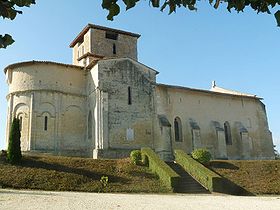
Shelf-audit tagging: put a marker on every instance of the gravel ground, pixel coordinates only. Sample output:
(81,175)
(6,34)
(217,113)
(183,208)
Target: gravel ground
(23,199)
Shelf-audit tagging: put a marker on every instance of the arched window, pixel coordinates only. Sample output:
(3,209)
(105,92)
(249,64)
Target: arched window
(45,123)
(178,129)
(227,133)
(129,95)
(114,49)
(89,125)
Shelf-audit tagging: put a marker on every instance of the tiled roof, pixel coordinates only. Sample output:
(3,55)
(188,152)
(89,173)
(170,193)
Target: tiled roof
(232,92)
(90,55)
(209,91)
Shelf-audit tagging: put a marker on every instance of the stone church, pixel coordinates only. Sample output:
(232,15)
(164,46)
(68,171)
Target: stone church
(107,103)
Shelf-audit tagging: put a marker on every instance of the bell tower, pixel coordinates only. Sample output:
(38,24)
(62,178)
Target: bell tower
(95,42)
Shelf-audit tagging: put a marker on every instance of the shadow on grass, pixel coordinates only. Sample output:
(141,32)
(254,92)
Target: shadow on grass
(223,165)
(235,189)
(33,163)
(228,186)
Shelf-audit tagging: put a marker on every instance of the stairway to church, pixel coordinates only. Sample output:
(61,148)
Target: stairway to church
(187,183)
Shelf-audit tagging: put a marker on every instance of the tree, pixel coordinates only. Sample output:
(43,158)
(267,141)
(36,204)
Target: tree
(260,6)
(9,10)
(14,150)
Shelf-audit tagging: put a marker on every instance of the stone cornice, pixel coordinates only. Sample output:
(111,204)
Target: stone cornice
(47,90)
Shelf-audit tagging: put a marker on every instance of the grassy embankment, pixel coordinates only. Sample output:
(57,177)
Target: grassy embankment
(78,174)
(257,177)
(81,174)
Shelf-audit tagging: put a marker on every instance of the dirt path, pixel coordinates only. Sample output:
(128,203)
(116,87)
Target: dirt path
(21,200)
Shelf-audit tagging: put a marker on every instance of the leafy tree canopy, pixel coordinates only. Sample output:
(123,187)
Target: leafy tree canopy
(10,9)
(260,6)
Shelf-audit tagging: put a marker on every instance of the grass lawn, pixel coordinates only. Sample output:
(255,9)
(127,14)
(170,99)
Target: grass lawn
(257,177)
(78,174)
(44,172)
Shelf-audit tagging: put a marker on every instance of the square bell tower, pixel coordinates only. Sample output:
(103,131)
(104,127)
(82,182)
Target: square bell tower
(96,42)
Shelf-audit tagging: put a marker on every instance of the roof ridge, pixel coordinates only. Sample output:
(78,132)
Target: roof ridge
(234,92)
(90,25)
(208,91)
(14,65)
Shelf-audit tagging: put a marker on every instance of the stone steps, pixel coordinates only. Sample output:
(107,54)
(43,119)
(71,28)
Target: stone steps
(187,183)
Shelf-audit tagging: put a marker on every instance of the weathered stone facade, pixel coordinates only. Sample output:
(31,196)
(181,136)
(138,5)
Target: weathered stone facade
(108,103)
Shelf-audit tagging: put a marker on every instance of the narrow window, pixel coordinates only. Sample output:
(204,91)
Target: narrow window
(114,49)
(129,95)
(46,123)
(89,125)
(20,123)
(227,133)
(178,129)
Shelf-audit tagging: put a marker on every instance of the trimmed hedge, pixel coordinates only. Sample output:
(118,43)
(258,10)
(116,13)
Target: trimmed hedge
(210,180)
(135,157)
(202,155)
(169,177)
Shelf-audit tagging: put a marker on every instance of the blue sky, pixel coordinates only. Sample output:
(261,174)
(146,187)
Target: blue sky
(239,51)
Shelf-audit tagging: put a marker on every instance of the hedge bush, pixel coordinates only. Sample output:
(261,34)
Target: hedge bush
(201,155)
(136,157)
(169,177)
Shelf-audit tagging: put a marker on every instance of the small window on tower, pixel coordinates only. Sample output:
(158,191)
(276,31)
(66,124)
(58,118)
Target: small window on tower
(46,123)
(129,96)
(114,49)
(111,35)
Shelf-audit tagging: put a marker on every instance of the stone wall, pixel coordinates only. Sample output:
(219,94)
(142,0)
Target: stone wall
(126,46)
(203,115)
(130,121)
(82,48)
